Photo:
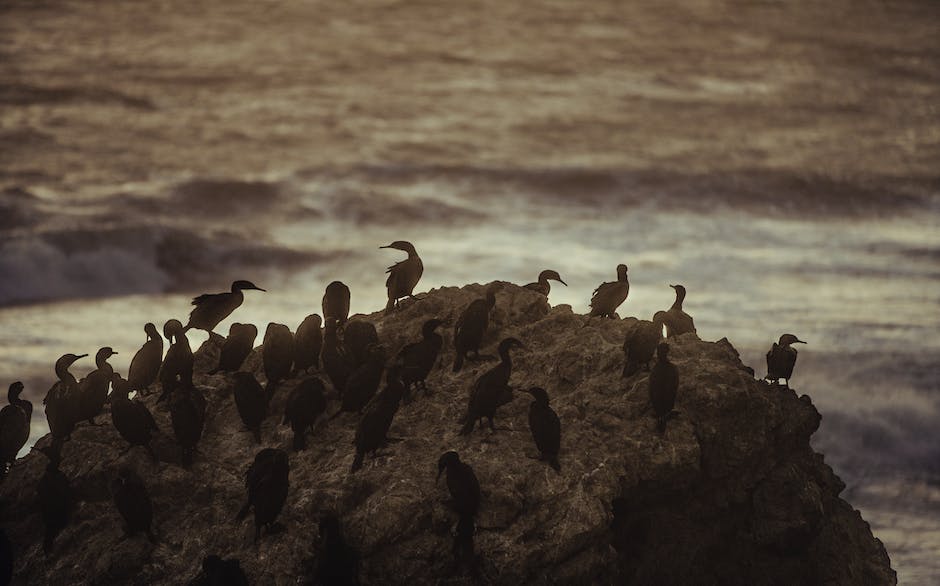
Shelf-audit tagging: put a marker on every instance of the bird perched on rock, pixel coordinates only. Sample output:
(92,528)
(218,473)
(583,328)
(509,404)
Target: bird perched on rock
(545,427)
(471,326)
(608,296)
(358,335)
(132,419)
(781,359)
(640,344)
(364,381)
(462,484)
(305,403)
(252,402)
(14,426)
(277,354)
(491,390)
(462,548)
(336,302)
(93,389)
(542,285)
(418,358)
(335,362)
(337,561)
(403,275)
(218,572)
(56,500)
(145,366)
(267,483)
(236,348)
(133,503)
(664,383)
(307,344)
(177,366)
(188,417)
(677,321)
(212,308)
(62,400)
(377,419)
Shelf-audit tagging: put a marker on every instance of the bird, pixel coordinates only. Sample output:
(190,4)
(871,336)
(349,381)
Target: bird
(218,572)
(277,354)
(462,484)
(403,275)
(545,427)
(608,296)
(267,483)
(491,390)
(337,561)
(307,344)
(15,419)
(471,326)
(639,345)
(6,559)
(212,308)
(677,321)
(357,336)
(781,359)
(335,362)
(336,302)
(663,383)
(145,366)
(305,403)
(542,285)
(93,389)
(132,419)
(56,500)
(236,348)
(418,358)
(252,402)
(364,381)
(463,549)
(177,366)
(372,431)
(62,400)
(133,503)
(188,418)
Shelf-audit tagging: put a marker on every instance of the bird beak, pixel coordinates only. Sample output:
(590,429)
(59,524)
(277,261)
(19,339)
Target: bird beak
(80,356)
(800,341)
(113,353)
(673,286)
(260,289)
(381,247)
(562,282)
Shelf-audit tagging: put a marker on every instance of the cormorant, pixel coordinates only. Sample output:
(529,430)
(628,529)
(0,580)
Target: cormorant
(418,358)
(188,416)
(640,344)
(62,400)
(364,381)
(335,362)
(358,335)
(403,275)
(781,359)
(177,366)
(305,403)
(663,382)
(545,427)
(307,343)
(252,402)
(219,572)
(145,366)
(461,482)
(377,419)
(337,561)
(462,547)
(133,502)
(336,302)
(14,426)
(132,419)
(55,498)
(608,296)
(471,326)
(212,308)
(491,390)
(542,285)
(94,387)
(236,348)
(677,321)
(267,482)
(277,354)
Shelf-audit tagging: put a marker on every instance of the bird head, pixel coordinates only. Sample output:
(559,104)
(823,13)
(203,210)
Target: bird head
(402,245)
(67,360)
(429,326)
(621,272)
(680,291)
(539,394)
(151,330)
(510,343)
(553,275)
(104,354)
(787,339)
(446,460)
(242,285)
(15,390)
(662,351)
(172,327)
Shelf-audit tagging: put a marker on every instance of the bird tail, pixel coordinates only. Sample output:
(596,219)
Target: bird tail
(257,434)
(243,512)
(357,463)
(300,441)
(458,361)
(467,428)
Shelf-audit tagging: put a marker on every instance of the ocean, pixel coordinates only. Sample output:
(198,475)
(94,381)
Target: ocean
(778,159)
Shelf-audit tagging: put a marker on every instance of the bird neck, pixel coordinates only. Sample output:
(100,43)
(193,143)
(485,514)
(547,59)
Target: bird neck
(13,397)
(505,357)
(63,373)
(677,304)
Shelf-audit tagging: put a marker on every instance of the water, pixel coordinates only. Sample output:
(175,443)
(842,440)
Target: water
(779,160)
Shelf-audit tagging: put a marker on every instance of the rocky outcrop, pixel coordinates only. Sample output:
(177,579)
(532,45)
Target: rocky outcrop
(732,493)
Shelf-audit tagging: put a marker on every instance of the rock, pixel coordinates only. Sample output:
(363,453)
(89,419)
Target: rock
(731,494)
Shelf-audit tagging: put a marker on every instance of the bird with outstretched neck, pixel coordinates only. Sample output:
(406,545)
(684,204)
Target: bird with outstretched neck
(471,327)
(677,321)
(62,401)
(403,275)
(542,285)
(212,308)
(93,389)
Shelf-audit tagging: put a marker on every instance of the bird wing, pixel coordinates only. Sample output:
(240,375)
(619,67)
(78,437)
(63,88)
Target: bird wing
(599,293)
(205,297)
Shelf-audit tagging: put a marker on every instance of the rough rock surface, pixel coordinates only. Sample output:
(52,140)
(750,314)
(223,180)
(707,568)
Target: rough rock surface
(731,494)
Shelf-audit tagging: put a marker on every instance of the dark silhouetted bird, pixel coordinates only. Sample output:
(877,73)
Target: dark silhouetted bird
(133,503)
(236,348)
(418,358)
(464,555)
(145,366)
(177,366)
(307,344)
(462,484)
(218,572)
(608,296)
(56,500)
(542,285)
(93,389)
(188,416)
(6,559)
(639,345)
(377,419)
(277,354)
(545,427)
(62,400)
(677,321)
(132,419)
(491,390)
(664,383)
(337,561)
(335,362)
(364,381)
(781,359)
(14,426)
(472,325)
(358,335)
(305,403)
(403,275)
(212,308)
(336,302)
(251,401)
(267,483)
